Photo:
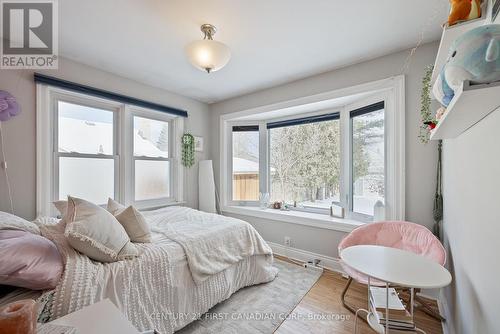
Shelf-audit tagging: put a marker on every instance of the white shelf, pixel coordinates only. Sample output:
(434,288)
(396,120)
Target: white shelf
(470,105)
(448,37)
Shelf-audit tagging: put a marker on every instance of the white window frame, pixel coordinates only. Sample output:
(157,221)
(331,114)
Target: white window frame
(262,171)
(390,90)
(389,155)
(156,116)
(48,155)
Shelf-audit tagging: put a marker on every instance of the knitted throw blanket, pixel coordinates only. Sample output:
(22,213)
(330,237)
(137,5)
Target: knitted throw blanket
(212,242)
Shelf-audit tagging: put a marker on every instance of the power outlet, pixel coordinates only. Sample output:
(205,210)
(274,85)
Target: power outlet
(288,241)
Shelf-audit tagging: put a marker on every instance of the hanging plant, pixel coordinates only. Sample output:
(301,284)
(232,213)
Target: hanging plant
(427,119)
(187,150)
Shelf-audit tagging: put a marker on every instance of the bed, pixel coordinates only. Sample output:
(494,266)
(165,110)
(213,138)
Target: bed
(196,260)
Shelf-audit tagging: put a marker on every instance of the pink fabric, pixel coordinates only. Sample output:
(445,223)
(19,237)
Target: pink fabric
(29,261)
(396,234)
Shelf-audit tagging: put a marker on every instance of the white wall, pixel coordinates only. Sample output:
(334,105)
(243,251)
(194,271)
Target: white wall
(471,183)
(420,159)
(19,132)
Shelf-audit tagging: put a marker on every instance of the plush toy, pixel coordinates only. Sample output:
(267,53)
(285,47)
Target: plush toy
(442,91)
(431,124)
(474,56)
(463,10)
(439,113)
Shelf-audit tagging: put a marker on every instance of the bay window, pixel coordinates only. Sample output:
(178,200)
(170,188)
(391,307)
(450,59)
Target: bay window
(305,158)
(348,158)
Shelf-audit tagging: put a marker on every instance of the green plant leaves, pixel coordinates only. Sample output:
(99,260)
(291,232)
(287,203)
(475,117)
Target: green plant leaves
(187,142)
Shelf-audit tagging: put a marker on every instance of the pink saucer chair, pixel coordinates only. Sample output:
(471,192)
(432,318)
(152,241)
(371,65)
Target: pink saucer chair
(396,234)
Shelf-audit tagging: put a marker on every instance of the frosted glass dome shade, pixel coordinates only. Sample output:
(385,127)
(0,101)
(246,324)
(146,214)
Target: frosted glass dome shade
(208,55)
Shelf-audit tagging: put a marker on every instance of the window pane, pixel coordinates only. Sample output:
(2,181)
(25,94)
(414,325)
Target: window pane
(305,164)
(90,179)
(368,154)
(150,137)
(84,129)
(152,179)
(245,165)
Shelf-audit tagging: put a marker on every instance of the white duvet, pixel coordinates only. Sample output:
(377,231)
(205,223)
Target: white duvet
(212,243)
(176,279)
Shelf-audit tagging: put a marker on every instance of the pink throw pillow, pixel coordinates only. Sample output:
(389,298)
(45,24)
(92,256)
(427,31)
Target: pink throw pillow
(29,261)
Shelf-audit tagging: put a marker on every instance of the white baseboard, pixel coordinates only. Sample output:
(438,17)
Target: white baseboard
(327,262)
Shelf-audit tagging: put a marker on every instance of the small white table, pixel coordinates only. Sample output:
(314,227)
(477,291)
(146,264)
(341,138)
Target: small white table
(102,317)
(395,267)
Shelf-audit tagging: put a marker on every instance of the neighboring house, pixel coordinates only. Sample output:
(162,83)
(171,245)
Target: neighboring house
(245,180)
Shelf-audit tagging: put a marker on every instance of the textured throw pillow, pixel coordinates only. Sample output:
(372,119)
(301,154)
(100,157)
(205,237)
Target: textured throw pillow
(12,222)
(135,224)
(96,233)
(62,207)
(114,207)
(132,221)
(29,261)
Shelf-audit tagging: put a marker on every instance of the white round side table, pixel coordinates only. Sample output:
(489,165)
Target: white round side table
(395,267)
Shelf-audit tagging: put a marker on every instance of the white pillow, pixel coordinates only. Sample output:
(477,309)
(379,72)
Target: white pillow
(134,224)
(114,207)
(11,222)
(62,207)
(132,221)
(94,232)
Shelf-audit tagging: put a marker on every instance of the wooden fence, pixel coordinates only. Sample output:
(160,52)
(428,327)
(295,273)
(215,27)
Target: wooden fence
(246,187)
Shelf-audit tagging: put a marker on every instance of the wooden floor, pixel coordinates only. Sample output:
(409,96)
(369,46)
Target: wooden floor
(321,310)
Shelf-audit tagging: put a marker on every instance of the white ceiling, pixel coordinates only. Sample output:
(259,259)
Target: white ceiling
(272,41)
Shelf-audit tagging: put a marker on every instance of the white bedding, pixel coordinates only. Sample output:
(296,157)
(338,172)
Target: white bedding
(212,243)
(155,290)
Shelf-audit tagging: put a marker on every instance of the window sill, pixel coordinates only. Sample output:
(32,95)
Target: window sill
(151,207)
(297,217)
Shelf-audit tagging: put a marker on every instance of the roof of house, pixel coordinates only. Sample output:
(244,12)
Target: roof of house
(82,136)
(245,166)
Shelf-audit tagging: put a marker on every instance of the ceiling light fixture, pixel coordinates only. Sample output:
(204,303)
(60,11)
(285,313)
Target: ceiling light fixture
(208,55)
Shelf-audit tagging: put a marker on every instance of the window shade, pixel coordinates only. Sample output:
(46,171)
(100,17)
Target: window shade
(367,109)
(75,87)
(304,120)
(243,128)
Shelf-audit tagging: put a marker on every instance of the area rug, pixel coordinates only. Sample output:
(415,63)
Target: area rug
(258,309)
